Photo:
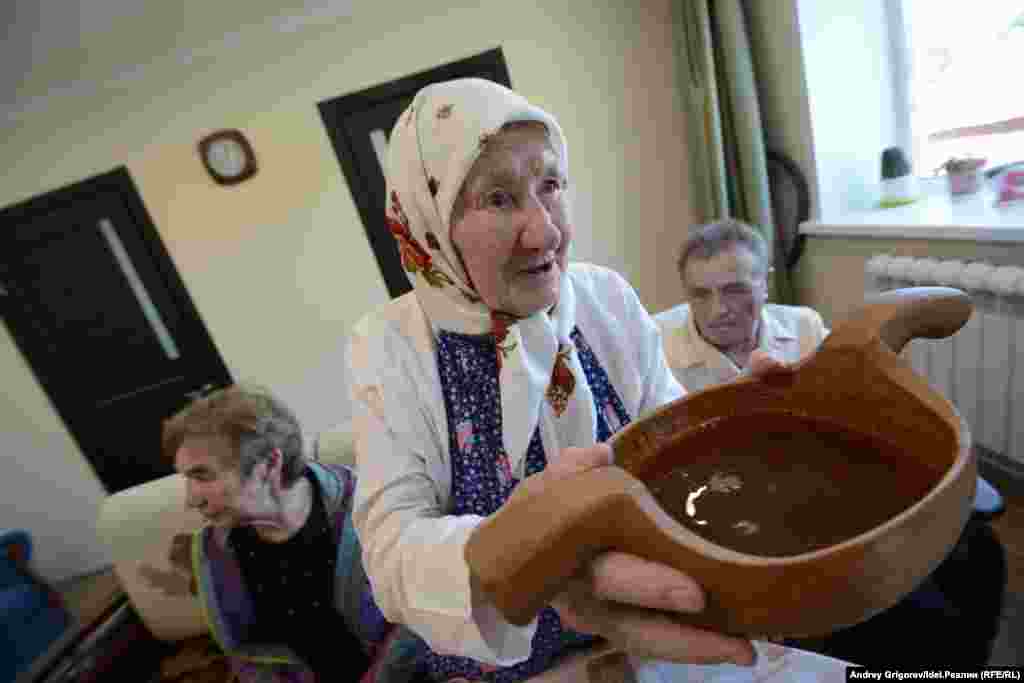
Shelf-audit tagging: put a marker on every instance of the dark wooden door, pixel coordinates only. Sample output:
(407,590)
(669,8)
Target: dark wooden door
(358,125)
(102,317)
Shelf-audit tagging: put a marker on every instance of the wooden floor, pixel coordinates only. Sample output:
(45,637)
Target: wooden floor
(88,598)
(1009,647)
(1010,528)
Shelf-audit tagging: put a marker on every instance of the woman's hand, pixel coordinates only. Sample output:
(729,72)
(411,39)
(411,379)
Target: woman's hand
(631,601)
(762,363)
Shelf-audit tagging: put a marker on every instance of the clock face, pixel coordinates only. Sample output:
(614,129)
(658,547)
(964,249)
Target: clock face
(226,157)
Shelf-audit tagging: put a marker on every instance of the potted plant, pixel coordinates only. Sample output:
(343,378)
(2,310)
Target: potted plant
(899,184)
(963,173)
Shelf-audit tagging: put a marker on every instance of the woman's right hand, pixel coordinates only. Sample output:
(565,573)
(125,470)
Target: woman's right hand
(630,601)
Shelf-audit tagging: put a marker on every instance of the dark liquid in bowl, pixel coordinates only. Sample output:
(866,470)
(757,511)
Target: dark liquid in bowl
(781,484)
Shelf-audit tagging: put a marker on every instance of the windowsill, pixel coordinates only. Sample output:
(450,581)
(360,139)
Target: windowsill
(935,216)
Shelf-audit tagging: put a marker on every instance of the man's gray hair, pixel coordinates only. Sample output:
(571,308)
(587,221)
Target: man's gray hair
(710,239)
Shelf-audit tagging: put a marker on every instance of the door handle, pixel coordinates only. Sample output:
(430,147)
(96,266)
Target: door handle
(200,392)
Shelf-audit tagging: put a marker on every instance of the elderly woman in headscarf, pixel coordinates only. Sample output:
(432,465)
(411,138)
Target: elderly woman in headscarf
(505,362)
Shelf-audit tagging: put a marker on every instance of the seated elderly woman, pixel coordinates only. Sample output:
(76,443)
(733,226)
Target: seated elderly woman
(278,566)
(505,362)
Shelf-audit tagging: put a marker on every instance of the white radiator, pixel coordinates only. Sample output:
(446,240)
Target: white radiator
(979,368)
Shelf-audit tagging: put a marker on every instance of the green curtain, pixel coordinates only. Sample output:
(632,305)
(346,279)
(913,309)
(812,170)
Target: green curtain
(726,143)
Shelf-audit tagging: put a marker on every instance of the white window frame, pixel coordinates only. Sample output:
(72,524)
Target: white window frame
(900,60)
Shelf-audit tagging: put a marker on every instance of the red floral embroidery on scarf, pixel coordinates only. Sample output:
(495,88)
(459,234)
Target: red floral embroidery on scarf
(562,382)
(500,322)
(415,258)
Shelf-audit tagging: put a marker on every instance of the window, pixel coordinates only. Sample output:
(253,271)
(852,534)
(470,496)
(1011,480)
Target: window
(964,93)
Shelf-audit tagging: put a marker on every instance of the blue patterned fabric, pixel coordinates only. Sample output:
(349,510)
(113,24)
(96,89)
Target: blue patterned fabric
(482,479)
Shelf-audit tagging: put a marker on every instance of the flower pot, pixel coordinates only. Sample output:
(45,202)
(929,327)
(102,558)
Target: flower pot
(963,183)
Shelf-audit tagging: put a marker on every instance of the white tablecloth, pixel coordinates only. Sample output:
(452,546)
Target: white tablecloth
(775,664)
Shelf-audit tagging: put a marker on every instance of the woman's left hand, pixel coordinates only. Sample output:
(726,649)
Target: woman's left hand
(637,605)
(632,602)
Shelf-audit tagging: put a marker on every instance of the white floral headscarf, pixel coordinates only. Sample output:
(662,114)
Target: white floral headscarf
(431,150)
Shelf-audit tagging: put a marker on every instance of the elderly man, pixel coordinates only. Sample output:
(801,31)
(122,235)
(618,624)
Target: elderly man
(709,340)
(278,565)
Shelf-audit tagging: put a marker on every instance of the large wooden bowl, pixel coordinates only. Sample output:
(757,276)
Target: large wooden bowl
(523,555)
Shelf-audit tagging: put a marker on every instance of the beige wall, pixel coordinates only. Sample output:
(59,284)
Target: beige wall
(279,267)
(830,275)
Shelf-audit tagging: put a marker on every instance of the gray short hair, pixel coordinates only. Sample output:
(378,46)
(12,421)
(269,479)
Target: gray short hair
(253,420)
(710,239)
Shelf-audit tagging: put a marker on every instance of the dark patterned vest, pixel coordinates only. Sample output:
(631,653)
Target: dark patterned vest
(482,479)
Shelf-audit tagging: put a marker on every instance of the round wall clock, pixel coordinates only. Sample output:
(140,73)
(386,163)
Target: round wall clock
(228,156)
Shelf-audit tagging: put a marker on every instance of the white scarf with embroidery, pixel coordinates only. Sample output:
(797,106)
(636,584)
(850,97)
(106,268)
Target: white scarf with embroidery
(431,150)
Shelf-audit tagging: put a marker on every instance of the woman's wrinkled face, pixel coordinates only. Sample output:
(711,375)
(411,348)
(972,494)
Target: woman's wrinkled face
(514,232)
(216,489)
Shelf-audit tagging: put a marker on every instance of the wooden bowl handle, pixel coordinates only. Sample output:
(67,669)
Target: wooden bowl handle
(523,555)
(897,316)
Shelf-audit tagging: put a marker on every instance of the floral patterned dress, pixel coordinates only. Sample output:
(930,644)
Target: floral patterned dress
(482,479)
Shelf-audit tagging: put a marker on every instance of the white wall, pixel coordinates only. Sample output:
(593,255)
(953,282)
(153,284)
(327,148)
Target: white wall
(279,267)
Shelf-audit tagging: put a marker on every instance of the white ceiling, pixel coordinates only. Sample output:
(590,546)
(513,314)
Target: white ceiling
(32,28)
(41,54)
